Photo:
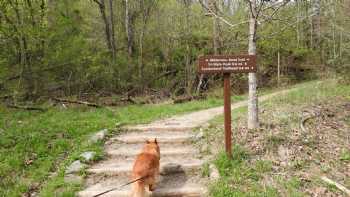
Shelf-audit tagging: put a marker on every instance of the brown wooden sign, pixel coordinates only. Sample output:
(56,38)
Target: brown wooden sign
(227,64)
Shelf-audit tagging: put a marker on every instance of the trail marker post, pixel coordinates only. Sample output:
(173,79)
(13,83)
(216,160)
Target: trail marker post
(227,64)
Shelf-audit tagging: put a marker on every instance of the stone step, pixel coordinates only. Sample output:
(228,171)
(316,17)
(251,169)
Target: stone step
(176,185)
(162,137)
(169,128)
(115,167)
(131,150)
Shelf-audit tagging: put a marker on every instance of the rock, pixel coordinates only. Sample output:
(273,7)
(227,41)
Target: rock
(284,164)
(75,167)
(205,148)
(283,153)
(214,173)
(52,174)
(88,156)
(73,179)
(319,191)
(118,124)
(98,136)
(199,135)
(205,125)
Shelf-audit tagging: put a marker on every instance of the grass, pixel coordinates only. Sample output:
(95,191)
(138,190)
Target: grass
(205,170)
(292,187)
(239,178)
(345,155)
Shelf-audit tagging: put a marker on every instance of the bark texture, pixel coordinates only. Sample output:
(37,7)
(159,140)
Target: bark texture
(253,120)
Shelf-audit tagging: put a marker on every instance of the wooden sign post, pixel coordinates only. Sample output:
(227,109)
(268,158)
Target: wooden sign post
(227,64)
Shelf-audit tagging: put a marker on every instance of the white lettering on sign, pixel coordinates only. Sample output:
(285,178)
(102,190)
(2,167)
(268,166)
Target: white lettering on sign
(230,64)
(226,62)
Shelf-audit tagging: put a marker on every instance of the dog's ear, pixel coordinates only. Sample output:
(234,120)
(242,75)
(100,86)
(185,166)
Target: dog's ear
(155,140)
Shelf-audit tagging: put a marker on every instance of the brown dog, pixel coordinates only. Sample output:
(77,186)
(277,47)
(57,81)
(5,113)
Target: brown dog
(146,167)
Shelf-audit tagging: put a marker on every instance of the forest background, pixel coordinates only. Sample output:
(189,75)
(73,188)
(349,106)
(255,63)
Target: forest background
(90,49)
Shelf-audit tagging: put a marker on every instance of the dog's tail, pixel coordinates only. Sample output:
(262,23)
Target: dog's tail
(138,189)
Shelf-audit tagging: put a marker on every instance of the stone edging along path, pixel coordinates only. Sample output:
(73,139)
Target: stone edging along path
(180,161)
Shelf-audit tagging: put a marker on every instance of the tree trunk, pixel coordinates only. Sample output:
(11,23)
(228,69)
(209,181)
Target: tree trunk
(316,28)
(278,68)
(333,30)
(145,7)
(316,21)
(341,44)
(188,74)
(298,23)
(142,6)
(253,121)
(102,8)
(141,54)
(129,28)
(216,27)
(112,31)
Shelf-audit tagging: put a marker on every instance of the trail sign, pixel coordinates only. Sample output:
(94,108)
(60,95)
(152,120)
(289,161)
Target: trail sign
(226,64)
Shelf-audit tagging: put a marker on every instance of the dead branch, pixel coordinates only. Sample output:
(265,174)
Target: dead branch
(77,102)
(284,28)
(339,186)
(29,108)
(219,17)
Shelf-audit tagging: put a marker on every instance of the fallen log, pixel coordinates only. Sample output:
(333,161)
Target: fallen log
(339,186)
(77,102)
(29,108)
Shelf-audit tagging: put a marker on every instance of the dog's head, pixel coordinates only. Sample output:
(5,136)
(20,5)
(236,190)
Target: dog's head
(153,144)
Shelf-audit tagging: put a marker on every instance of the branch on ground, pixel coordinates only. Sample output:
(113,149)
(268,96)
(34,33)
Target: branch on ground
(77,102)
(339,186)
(29,108)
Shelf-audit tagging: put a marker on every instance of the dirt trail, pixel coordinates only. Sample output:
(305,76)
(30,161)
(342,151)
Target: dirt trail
(180,162)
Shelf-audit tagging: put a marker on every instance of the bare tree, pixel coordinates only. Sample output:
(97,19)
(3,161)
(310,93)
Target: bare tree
(145,7)
(129,27)
(253,120)
(316,22)
(112,31)
(216,27)
(109,30)
(187,30)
